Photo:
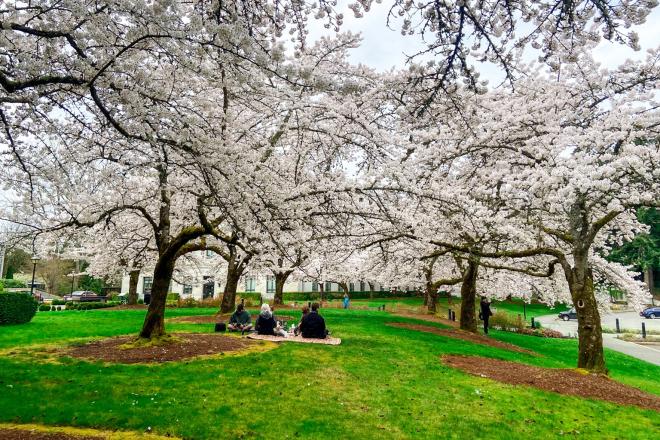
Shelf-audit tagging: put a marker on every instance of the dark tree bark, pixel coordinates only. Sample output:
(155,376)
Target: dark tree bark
(154,321)
(235,269)
(343,286)
(133,277)
(280,280)
(468,297)
(228,303)
(371,289)
(590,334)
(321,292)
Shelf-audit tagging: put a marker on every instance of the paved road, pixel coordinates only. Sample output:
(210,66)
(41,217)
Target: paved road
(627,320)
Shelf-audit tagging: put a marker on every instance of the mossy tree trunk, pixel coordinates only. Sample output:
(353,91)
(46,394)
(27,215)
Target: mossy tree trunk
(133,278)
(469,296)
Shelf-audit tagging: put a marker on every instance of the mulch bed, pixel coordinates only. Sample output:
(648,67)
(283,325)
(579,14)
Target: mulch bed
(23,434)
(300,339)
(188,346)
(558,380)
(212,319)
(461,334)
(430,318)
(127,307)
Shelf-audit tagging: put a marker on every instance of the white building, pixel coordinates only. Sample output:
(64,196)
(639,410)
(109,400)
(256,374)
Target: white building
(205,283)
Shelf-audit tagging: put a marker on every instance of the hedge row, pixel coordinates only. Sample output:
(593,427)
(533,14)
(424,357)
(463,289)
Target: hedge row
(12,284)
(90,305)
(16,308)
(315,296)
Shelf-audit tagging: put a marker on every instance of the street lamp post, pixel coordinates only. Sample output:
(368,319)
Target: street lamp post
(34,259)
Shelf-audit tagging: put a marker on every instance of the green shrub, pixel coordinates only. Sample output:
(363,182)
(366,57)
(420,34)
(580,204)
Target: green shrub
(44,308)
(140,301)
(16,308)
(91,305)
(506,321)
(58,302)
(13,284)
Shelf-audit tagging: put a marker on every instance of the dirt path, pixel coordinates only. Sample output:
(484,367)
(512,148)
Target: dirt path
(558,380)
(466,336)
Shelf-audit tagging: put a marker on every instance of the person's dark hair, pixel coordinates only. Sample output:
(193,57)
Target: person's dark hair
(239,308)
(315,307)
(305,310)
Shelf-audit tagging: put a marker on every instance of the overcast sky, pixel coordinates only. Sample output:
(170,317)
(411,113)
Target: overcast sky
(384,48)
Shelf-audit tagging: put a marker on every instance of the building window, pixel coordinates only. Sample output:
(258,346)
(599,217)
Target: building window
(328,286)
(187,289)
(351,287)
(315,286)
(147,282)
(270,284)
(250,284)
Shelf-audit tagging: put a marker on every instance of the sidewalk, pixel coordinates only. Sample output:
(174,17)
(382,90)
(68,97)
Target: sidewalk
(644,352)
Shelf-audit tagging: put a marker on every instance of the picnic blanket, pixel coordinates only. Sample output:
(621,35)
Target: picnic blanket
(326,341)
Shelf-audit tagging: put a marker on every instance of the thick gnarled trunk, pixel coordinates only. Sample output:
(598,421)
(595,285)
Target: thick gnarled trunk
(468,297)
(280,280)
(228,302)
(133,277)
(590,337)
(154,321)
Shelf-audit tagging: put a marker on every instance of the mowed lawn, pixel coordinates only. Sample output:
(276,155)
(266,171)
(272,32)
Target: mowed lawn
(381,382)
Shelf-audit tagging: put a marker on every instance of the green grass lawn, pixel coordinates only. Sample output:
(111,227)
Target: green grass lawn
(381,383)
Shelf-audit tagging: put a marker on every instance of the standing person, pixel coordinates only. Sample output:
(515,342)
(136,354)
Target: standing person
(240,320)
(347,300)
(485,313)
(313,324)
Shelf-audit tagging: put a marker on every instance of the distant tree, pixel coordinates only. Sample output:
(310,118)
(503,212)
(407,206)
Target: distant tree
(16,260)
(643,251)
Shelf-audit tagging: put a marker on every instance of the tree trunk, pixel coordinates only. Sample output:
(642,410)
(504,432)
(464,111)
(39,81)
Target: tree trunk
(343,286)
(450,300)
(371,290)
(154,321)
(133,277)
(280,279)
(590,336)
(228,303)
(468,298)
(426,297)
(432,301)
(321,292)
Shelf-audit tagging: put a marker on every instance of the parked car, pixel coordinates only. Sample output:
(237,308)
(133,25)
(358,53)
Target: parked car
(650,313)
(568,314)
(84,296)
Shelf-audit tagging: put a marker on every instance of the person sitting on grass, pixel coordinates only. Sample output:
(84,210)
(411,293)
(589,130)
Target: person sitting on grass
(305,311)
(266,324)
(313,324)
(240,320)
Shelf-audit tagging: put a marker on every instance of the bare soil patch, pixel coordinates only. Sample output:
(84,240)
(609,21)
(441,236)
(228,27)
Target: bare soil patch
(24,434)
(461,334)
(127,307)
(212,319)
(185,346)
(558,380)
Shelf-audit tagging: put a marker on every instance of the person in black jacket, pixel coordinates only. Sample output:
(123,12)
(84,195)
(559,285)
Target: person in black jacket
(265,324)
(313,324)
(485,313)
